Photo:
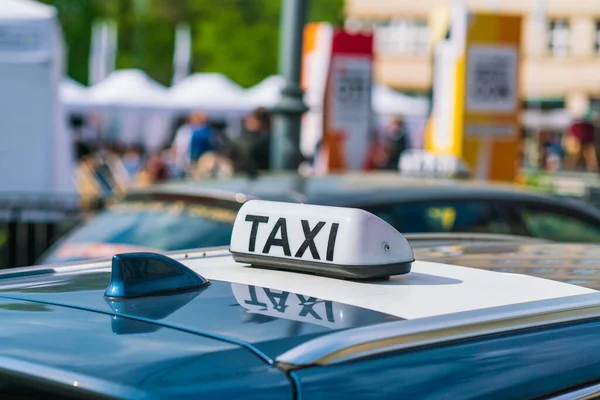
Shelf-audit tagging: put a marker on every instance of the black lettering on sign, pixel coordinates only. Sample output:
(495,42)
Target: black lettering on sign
(278,300)
(255,219)
(331,241)
(254,299)
(280,225)
(309,239)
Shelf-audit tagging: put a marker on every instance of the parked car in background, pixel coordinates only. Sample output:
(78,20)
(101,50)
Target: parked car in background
(182,215)
(577,264)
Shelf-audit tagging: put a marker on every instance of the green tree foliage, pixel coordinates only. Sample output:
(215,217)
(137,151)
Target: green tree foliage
(76,20)
(238,38)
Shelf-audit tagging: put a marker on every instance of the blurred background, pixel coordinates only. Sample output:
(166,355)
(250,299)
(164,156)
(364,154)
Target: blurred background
(100,97)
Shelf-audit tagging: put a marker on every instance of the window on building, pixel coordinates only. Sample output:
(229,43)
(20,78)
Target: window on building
(401,37)
(559,37)
(354,25)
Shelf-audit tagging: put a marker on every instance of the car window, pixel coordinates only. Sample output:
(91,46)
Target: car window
(145,225)
(553,225)
(3,244)
(451,216)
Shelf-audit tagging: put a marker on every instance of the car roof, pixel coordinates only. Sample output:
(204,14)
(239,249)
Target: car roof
(237,331)
(420,290)
(348,189)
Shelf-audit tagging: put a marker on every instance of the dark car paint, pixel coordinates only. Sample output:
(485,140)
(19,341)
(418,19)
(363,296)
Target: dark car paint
(521,365)
(195,311)
(163,362)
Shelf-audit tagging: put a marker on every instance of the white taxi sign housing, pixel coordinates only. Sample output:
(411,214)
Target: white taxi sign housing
(331,241)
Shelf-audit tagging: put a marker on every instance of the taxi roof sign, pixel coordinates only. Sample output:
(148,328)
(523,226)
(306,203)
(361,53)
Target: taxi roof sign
(421,162)
(330,241)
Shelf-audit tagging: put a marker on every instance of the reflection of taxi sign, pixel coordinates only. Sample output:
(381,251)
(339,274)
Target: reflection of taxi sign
(330,241)
(418,162)
(296,307)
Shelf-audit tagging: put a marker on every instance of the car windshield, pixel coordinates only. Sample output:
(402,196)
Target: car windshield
(146,225)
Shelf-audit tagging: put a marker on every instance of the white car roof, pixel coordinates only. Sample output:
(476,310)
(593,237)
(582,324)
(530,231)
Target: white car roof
(430,289)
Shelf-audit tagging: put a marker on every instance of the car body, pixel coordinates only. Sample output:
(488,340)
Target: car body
(183,215)
(441,331)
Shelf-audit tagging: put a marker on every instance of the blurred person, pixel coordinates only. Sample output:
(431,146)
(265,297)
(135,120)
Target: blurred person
(251,150)
(103,174)
(202,139)
(132,161)
(212,165)
(220,138)
(579,145)
(543,148)
(551,151)
(241,148)
(262,138)
(82,147)
(154,171)
(86,183)
(110,171)
(396,141)
(169,158)
(377,157)
(89,126)
(181,144)
(100,174)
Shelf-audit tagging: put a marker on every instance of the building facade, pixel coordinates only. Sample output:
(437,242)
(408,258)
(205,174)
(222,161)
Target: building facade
(561,46)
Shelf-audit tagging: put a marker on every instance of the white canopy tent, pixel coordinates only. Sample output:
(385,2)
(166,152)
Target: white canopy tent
(266,93)
(130,88)
(386,101)
(75,96)
(136,109)
(142,110)
(35,151)
(212,93)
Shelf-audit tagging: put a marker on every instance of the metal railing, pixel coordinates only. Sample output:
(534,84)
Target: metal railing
(32,222)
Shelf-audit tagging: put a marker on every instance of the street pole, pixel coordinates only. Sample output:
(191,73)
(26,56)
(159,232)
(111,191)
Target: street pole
(285,140)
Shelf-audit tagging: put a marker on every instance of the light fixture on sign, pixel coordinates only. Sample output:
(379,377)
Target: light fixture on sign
(330,241)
